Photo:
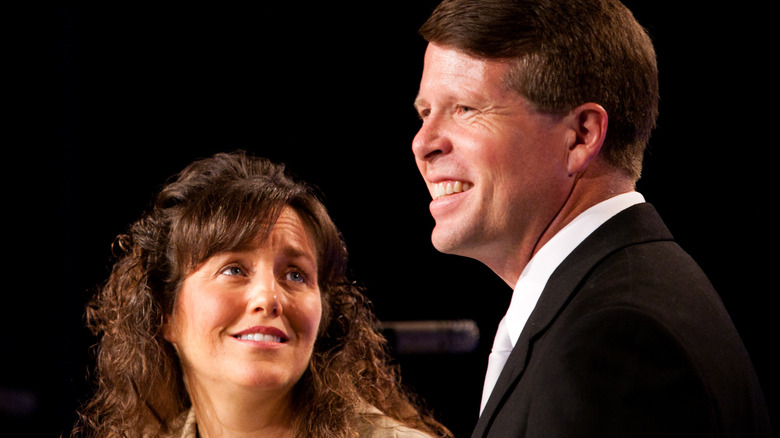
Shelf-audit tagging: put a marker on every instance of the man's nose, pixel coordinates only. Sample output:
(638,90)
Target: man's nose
(431,140)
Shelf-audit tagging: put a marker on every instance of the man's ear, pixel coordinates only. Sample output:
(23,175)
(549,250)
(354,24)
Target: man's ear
(588,124)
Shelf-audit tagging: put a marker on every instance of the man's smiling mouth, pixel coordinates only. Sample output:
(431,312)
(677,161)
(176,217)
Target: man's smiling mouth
(445,188)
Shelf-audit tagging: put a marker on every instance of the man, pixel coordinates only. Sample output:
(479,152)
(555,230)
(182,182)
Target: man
(535,116)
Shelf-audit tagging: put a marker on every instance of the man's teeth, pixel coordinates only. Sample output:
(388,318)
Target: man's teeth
(447,188)
(259,337)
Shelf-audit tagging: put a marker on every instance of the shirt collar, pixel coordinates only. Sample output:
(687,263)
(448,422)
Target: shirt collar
(538,270)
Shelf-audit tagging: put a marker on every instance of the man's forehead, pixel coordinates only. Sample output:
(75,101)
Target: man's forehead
(448,69)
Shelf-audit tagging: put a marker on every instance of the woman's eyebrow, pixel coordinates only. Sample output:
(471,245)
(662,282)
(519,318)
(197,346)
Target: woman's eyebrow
(298,250)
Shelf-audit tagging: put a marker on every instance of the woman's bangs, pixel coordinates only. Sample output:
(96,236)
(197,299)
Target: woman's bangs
(228,220)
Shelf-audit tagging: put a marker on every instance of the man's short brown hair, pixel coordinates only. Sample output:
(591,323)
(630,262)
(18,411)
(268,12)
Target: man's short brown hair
(565,53)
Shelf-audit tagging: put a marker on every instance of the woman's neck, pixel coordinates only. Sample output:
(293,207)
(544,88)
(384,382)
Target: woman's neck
(242,413)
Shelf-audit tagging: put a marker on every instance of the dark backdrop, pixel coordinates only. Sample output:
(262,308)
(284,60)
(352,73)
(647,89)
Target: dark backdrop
(108,99)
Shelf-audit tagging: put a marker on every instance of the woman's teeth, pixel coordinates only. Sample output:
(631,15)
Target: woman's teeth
(442,189)
(259,337)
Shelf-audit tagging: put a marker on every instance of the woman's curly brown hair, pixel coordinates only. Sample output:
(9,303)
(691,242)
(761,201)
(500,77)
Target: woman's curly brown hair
(215,205)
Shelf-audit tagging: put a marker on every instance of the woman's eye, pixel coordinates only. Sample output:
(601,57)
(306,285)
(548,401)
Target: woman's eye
(232,270)
(296,277)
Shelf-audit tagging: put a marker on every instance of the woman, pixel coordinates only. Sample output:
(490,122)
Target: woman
(229,312)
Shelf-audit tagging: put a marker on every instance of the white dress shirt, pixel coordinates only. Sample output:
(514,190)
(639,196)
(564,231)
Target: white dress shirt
(535,275)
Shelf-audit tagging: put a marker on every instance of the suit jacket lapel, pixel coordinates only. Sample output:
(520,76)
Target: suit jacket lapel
(636,224)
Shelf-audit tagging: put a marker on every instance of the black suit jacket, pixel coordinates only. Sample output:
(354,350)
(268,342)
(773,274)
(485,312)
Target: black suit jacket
(628,339)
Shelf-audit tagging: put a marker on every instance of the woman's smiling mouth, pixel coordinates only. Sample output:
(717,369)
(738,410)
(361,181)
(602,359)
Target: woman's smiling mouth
(259,337)
(262,334)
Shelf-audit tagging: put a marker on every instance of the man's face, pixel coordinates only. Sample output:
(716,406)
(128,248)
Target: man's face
(495,167)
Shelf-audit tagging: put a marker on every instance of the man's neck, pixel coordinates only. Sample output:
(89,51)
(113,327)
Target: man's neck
(585,193)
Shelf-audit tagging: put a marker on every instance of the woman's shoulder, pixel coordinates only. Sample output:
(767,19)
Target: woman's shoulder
(375,424)
(183,427)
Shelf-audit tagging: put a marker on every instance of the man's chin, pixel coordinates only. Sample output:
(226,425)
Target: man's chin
(448,241)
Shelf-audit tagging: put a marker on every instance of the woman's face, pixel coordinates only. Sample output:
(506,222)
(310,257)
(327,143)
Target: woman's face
(249,318)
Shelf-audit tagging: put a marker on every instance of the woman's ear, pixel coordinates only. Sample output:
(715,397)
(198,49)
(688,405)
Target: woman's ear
(588,124)
(169,329)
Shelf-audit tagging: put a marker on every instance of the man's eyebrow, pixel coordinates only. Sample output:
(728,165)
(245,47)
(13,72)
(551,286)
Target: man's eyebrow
(419,102)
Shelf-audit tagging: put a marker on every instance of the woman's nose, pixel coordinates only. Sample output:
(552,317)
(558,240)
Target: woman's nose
(264,298)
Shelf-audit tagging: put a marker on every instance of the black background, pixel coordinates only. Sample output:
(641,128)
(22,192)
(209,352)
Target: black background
(105,100)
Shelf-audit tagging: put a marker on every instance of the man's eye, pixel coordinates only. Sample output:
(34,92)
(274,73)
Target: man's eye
(464,109)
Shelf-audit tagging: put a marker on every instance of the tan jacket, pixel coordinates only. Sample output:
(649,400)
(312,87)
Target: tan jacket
(376,425)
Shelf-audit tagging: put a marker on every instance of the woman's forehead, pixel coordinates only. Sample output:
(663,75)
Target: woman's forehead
(291,229)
